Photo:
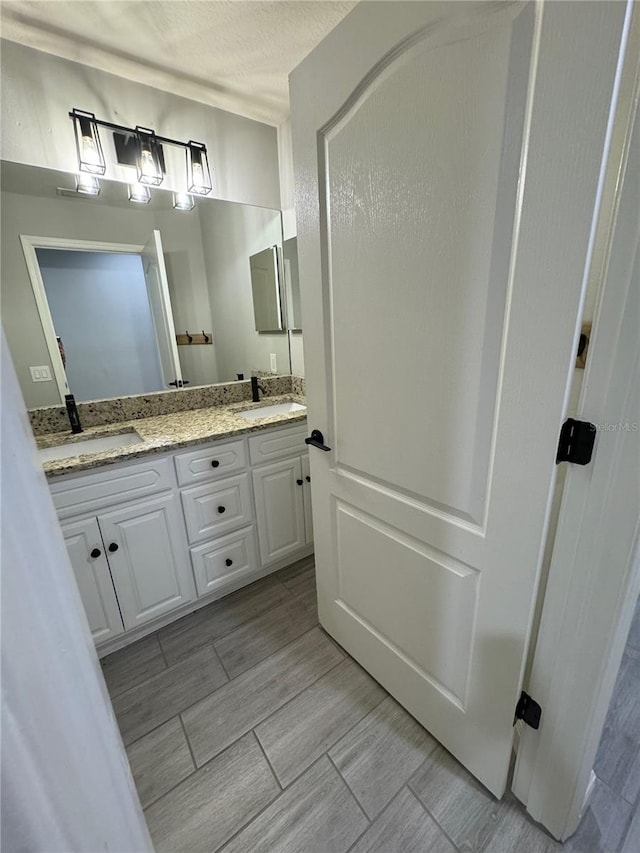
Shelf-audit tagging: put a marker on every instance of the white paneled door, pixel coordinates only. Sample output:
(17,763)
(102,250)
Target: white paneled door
(447,161)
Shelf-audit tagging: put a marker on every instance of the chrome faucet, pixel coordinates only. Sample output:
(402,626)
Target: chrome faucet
(255,389)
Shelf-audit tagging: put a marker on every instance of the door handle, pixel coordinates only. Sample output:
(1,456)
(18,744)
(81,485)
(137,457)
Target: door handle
(316,439)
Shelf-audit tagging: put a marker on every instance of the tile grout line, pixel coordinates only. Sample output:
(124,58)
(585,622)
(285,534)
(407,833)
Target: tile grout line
(215,639)
(184,732)
(371,822)
(224,669)
(279,796)
(424,807)
(326,751)
(164,657)
(266,758)
(230,681)
(360,806)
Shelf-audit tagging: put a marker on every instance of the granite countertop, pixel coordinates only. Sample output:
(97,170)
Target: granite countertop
(164,433)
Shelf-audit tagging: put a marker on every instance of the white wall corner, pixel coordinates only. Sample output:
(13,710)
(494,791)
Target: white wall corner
(285,166)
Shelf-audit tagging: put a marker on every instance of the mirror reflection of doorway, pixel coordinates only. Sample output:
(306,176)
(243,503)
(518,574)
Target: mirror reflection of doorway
(101,313)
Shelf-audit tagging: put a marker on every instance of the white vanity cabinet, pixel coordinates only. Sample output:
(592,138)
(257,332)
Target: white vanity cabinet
(95,584)
(130,514)
(150,537)
(146,552)
(282,492)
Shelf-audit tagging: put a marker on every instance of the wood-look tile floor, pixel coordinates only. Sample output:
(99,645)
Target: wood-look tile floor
(249,730)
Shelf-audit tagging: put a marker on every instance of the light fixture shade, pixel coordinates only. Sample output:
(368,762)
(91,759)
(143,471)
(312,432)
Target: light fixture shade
(183,201)
(148,159)
(88,146)
(87,184)
(139,193)
(198,174)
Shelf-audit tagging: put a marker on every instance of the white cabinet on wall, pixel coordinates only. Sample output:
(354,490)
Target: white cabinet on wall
(91,569)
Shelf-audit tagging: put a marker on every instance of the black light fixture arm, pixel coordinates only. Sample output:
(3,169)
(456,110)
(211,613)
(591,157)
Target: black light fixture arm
(109,125)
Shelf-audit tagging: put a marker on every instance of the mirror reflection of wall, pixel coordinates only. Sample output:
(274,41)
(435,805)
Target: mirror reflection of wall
(101,316)
(206,253)
(292,283)
(265,287)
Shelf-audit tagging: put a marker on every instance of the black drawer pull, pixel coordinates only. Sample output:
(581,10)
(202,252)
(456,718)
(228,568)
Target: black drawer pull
(113,547)
(316,439)
(222,509)
(299,482)
(228,562)
(215,463)
(308,478)
(96,553)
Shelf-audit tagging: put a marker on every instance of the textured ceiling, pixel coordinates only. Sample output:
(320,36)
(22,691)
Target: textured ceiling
(231,54)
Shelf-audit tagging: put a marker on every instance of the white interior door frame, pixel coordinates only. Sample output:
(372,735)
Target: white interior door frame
(594,578)
(29,246)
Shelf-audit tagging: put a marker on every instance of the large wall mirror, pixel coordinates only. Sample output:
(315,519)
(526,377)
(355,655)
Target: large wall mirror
(116,298)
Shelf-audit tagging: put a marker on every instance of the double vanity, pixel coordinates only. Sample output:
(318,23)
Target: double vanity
(163,514)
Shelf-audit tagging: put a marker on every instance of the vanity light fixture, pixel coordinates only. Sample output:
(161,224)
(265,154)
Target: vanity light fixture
(183,201)
(198,174)
(148,162)
(139,193)
(149,159)
(87,184)
(88,147)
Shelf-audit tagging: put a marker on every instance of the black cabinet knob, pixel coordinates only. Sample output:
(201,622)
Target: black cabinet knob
(228,562)
(222,509)
(96,553)
(215,463)
(299,482)
(308,478)
(113,547)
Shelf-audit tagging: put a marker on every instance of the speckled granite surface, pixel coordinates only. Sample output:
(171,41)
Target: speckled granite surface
(119,409)
(166,432)
(298,386)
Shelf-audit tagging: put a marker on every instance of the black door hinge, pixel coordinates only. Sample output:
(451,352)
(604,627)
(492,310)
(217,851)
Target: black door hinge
(528,710)
(576,442)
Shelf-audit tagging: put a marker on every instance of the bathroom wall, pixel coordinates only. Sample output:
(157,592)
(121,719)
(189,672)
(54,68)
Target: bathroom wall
(228,243)
(287,186)
(78,219)
(100,310)
(38,90)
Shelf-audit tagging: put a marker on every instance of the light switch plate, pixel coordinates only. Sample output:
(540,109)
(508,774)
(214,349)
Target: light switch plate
(40,373)
(274,363)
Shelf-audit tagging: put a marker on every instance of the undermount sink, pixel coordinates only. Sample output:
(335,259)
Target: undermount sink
(88,445)
(271,411)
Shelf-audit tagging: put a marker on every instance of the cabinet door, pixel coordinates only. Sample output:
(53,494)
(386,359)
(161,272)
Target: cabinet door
(306,495)
(93,578)
(147,553)
(280,508)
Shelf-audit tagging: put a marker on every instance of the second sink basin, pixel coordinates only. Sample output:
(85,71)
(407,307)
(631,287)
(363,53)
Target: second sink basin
(88,445)
(271,411)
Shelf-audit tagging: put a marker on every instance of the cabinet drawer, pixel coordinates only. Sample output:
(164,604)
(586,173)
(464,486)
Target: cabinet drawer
(217,507)
(225,560)
(211,462)
(277,444)
(112,485)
